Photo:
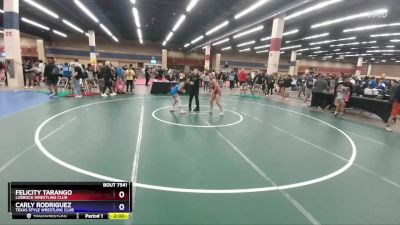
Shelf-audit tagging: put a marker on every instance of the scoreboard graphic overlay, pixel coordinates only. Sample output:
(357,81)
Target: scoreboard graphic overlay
(72,200)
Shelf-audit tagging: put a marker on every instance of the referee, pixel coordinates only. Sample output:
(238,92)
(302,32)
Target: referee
(194,86)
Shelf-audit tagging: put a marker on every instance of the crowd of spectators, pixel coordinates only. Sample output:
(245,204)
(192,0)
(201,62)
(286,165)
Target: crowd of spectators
(120,79)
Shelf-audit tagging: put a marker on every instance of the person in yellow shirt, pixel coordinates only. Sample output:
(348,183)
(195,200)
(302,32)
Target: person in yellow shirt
(130,77)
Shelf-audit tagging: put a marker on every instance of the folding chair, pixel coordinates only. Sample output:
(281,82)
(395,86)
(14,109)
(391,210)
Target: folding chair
(62,83)
(91,84)
(256,88)
(244,89)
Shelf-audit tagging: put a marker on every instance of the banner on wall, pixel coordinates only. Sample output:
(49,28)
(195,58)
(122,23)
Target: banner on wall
(153,60)
(93,61)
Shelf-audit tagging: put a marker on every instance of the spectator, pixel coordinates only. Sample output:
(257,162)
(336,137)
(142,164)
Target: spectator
(84,73)
(242,77)
(364,83)
(231,80)
(270,84)
(108,78)
(264,82)
(201,74)
(206,81)
(224,77)
(29,74)
(293,84)
(2,73)
(236,79)
(130,77)
(119,73)
(90,71)
(257,79)
(287,84)
(372,83)
(309,86)
(181,77)
(220,80)
(51,72)
(74,64)
(253,75)
(37,72)
(160,74)
(381,86)
(342,93)
(281,86)
(212,76)
(41,68)
(395,99)
(147,75)
(78,76)
(332,84)
(99,74)
(301,80)
(321,85)
(249,80)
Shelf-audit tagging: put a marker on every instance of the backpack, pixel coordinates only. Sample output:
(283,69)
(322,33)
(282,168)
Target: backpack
(120,86)
(67,71)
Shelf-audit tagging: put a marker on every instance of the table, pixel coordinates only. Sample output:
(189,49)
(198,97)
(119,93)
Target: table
(322,99)
(162,87)
(381,108)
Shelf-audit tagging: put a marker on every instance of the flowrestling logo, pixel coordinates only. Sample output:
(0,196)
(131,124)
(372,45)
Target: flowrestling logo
(379,14)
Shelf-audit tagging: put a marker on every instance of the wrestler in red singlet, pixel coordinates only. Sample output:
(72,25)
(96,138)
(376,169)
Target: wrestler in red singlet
(215,96)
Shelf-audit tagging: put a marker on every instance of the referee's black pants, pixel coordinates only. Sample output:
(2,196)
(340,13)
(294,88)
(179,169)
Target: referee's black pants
(196,95)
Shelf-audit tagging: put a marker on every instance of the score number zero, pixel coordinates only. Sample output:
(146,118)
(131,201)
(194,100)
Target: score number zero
(121,194)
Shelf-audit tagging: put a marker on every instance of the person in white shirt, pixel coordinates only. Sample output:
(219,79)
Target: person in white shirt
(41,68)
(206,81)
(181,76)
(38,74)
(253,74)
(212,75)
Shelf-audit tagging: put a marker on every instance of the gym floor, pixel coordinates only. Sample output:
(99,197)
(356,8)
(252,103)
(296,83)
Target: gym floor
(262,162)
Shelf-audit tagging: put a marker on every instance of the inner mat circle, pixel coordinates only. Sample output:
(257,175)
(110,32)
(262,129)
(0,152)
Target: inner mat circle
(215,113)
